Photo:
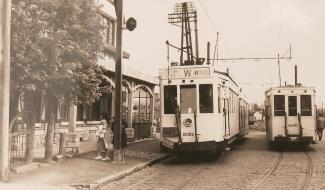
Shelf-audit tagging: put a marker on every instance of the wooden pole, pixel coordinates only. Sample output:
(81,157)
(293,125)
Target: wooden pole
(5,17)
(117,153)
(279,69)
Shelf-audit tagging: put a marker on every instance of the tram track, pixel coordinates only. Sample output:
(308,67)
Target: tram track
(309,172)
(188,173)
(306,180)
(184,183)
(133,186)
(273,168)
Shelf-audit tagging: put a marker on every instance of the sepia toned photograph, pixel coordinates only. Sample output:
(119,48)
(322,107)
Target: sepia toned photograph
(162,94)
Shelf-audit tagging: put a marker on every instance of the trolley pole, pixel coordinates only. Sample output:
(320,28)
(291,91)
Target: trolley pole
(117,153)
(5,17)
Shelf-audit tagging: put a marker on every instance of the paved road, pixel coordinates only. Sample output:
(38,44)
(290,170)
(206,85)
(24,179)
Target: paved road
(249,165)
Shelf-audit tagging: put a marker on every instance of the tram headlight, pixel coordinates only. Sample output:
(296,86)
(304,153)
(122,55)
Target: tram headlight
(188,122)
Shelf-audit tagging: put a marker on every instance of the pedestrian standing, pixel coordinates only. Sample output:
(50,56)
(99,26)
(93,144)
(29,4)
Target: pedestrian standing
(124,138)
(102,145)
(109,137)
(320,126)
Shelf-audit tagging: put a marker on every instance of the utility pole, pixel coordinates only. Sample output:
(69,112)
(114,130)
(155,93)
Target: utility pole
(279,67)
(185,14)
(5,17)
(117,153)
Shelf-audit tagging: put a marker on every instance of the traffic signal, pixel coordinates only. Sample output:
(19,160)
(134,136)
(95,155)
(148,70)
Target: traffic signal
(131,24)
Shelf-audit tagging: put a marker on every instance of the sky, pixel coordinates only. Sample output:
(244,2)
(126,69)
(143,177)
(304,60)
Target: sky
(247,28)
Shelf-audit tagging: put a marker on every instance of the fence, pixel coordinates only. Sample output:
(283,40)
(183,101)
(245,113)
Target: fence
(18,142)
(142,130)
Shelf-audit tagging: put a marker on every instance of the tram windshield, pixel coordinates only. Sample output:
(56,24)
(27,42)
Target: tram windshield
(292,102)
(188,99)
(306,105)
(170,99)
(279,105)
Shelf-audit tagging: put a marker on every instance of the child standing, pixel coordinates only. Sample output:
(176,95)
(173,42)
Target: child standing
(101,144)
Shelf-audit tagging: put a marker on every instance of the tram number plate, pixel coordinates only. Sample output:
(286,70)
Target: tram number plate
(293,125)
(188,134)
(168,143)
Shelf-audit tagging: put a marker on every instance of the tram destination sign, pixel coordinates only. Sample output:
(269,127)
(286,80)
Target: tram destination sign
(198,72)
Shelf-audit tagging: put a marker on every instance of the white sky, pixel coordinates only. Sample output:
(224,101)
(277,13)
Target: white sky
(247,28)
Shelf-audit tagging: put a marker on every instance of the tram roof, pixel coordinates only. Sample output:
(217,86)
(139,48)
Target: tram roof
(227,75)
(290,87)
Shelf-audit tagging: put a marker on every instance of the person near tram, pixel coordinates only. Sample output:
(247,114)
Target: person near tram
(102,145)
(123,136)
(320,125)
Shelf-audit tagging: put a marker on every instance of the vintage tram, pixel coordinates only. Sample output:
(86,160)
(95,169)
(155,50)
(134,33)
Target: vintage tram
(201,109)
(290,114)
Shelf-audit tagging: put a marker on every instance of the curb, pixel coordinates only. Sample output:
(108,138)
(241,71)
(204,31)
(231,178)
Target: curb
(26,167)
(141,140)
(105,180)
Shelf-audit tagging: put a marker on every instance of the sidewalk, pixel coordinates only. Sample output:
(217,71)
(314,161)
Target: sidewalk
(83,172)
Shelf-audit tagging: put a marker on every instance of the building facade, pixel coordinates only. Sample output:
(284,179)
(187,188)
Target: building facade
(137,95)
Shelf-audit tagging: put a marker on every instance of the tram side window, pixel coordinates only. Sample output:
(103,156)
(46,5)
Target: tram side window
(306,108)
(170,99)
(292,101)
(279,107)
(206,98)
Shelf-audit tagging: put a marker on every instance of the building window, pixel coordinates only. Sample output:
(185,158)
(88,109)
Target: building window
(125,103)
(206,98)
(279,106)
(305,101)
(109,31)
(141,106)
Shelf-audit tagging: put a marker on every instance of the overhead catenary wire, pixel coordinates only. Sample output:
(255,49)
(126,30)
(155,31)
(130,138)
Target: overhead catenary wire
(216,50)
(209,17)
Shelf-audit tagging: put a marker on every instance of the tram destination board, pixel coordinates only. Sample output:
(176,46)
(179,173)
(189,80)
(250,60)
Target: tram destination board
(178,73)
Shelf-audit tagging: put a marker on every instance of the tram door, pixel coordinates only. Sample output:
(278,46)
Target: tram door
(188,112)
(293,125)
(226,110)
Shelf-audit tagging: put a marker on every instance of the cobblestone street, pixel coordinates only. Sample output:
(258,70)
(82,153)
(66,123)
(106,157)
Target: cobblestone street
(249,165)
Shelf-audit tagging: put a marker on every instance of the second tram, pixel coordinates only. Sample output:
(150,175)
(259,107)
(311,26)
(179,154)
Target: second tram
(290,114)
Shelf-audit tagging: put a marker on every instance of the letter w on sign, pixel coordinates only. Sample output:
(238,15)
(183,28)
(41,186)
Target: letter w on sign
(187,73)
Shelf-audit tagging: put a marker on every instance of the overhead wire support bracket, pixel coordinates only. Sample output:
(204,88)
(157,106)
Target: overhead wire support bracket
(180,49)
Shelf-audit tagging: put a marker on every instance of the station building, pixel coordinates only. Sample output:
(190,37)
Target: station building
(137,95)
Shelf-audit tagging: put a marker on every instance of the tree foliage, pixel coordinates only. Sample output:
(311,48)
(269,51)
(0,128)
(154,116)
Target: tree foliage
(55,46)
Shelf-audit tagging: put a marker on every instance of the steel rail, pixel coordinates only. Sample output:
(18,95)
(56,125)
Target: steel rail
(274,167)
(309,172)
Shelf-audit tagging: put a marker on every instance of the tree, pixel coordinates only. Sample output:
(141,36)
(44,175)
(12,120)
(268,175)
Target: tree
(55,46)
